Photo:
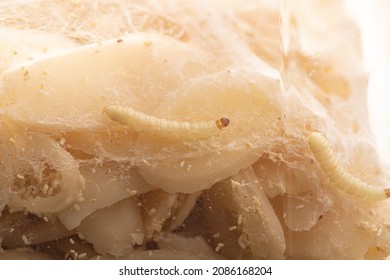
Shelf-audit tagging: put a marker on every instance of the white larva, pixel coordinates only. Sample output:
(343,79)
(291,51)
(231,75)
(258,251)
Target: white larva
(338,176)
(139,121)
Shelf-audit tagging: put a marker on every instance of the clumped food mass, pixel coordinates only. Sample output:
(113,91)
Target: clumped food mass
(191,130)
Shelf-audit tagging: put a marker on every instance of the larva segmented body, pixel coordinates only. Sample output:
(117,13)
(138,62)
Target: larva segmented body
(184,130)
(337,175)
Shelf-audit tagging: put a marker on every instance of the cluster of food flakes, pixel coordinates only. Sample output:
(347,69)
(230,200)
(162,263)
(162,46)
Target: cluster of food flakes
(44,185)
(73,255)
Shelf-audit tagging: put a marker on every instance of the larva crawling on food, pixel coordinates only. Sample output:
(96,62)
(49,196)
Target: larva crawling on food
(338,175)
(184,130)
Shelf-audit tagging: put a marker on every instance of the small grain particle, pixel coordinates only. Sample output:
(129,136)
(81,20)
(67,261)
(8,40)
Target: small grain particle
(55,184)
(82,255)
(76,207)
(20,176)
(12,140)
(216,235)
(11,230)
(131,192)
(233,228)
(182,163)
(45,188)
(239,219)
(49,191)
(241,241)
(46,219)
(189,167)
(146,162)
(300,206)
(62,141)
(25,239)
(152,211)
(71,241)
(219,247)
(93,200)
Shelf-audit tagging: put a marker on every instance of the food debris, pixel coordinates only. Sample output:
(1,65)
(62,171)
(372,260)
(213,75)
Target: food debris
(25,240)
(219,247)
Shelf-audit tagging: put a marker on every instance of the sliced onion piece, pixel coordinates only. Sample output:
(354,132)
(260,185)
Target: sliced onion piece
(115,229)
(304,210)
(68,90)
(343,233)
(116,143)
(104,186)
(296,189)
(251,103)
(19,46)
(157,206)
(46,177)
(242,222)
(198,173)
(271,175)
(182,209)
(164,211)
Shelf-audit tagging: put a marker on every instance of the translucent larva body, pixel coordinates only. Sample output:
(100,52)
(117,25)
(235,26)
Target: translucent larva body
(337,175)
(139,121)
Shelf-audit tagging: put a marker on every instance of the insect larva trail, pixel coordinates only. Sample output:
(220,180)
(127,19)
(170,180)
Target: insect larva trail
(337,175)
(142,122)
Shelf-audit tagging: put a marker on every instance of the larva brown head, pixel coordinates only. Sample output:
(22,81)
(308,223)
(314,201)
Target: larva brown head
(222,122)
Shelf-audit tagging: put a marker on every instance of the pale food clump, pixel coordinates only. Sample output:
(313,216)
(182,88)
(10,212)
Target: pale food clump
(159,130)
